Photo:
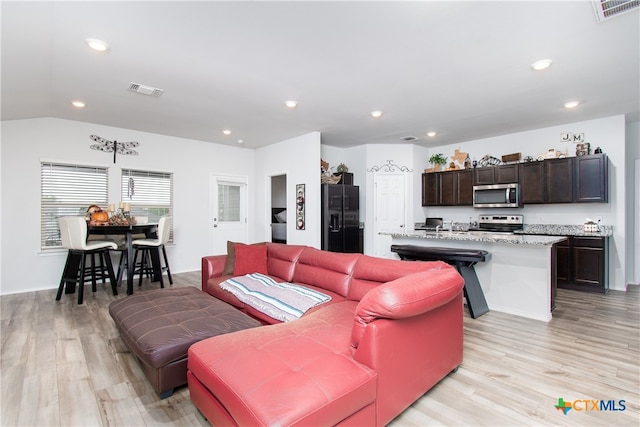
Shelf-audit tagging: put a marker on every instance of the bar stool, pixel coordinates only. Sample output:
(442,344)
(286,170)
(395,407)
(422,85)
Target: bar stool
(146,247)
(73,231)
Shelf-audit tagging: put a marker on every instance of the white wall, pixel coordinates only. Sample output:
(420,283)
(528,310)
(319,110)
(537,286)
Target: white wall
(25,143)
(299,159)
(633,201)
(607,133)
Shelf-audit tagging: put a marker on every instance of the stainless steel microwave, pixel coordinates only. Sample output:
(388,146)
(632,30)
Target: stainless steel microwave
(496,196)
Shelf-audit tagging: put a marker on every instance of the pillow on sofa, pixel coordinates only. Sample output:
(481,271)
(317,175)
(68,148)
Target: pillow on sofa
(229,266)
(231,258)
(250,259)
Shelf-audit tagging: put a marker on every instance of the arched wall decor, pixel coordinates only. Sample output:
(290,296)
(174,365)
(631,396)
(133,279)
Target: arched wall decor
(389,167)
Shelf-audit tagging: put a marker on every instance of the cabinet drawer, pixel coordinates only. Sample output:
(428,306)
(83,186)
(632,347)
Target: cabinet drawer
(588,242)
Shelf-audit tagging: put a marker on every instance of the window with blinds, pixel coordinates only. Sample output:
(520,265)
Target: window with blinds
(150,194)
(68,190)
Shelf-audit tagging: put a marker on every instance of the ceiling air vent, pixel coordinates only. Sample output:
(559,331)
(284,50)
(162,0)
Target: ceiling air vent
(607,9)
(409,138)
(145,90)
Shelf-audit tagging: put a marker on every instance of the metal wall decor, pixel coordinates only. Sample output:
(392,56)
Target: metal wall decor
(389,167)
(299,206)
(114,147)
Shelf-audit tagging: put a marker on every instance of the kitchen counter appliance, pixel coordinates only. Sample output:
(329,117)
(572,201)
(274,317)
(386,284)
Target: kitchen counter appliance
(506,224)
(496,196)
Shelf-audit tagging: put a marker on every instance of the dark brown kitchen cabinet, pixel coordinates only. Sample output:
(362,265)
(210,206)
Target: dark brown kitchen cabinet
(592,178)
(532,183)
(558,180)
(429,189)
(563,259)
(483,176)
(548,181)
(503,174)
(453,188)
(583,263)
(573,179)
(464,187)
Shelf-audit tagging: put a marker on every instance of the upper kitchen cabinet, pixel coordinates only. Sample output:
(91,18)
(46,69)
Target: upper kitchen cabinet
(592,178)
(453,188)
(569,180)
(503,174)
(558,180)
(532,183)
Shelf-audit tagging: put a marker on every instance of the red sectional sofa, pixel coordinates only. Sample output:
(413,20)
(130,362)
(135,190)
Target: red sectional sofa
(392,330)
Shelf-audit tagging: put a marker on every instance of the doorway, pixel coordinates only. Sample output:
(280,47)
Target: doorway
(278,213)
(390,209)
(228,213)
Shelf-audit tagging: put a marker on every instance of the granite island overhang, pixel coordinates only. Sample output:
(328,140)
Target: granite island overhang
(518,277)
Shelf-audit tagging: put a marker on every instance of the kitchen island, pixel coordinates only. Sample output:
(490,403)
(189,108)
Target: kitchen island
(518,276)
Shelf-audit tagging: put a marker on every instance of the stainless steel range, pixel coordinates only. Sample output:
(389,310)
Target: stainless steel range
(506,224)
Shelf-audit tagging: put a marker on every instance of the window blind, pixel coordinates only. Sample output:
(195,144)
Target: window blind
(68,190)
(150,194)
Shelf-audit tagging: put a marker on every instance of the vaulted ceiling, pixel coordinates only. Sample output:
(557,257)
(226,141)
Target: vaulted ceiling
(461,69)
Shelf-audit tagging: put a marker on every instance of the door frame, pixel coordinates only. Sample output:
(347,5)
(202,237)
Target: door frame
(214,179)
(268,200)
(378,239)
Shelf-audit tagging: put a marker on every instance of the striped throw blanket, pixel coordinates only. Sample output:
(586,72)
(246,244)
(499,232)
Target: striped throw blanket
(282,301)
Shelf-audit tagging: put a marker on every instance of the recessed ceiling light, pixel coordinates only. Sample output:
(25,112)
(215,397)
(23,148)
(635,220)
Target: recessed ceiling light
(291,104)
(240,141)
(431,134)
(571,104)
(376,113)
(78,104)
(226,132)
(98,45)
(541,64)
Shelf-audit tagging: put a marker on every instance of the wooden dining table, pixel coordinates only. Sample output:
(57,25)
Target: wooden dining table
(149,230)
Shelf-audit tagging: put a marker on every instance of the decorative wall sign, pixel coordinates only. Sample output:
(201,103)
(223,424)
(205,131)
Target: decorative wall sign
(299,206)
(114,147)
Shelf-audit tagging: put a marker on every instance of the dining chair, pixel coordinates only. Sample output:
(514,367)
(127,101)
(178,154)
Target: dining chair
(122,249)
(73,232)
(145,247)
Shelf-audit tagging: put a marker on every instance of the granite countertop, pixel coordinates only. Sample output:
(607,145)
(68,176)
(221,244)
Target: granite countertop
(564,230)
(512,239)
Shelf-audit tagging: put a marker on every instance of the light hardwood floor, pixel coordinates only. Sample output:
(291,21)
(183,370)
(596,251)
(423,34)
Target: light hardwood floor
(64,364)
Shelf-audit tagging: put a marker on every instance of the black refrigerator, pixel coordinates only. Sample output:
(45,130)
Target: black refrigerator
(341,218)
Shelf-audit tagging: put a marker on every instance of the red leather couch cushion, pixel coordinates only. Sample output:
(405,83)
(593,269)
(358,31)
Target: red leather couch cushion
(407,296)
(281,260)
(326,270)
(370,271)
(297,372)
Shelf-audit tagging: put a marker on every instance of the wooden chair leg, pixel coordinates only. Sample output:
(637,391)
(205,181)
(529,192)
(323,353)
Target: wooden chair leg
(81,282)
(135,262)
(121,267)
(112,278)
(93,271)
(166,264)
(62,279)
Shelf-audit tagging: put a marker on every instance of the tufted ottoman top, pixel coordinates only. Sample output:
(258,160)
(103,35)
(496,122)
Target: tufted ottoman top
(159,326)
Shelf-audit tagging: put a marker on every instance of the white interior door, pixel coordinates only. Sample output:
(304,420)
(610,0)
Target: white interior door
(228,202)
(390,209)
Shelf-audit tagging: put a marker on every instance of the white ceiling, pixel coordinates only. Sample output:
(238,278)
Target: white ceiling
(460,68)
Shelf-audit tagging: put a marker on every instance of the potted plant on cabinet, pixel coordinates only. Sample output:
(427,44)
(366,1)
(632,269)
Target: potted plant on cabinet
(437,160)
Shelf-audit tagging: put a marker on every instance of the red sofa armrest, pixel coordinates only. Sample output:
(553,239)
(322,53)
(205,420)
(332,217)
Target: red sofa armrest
(212,266)
(407,296)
